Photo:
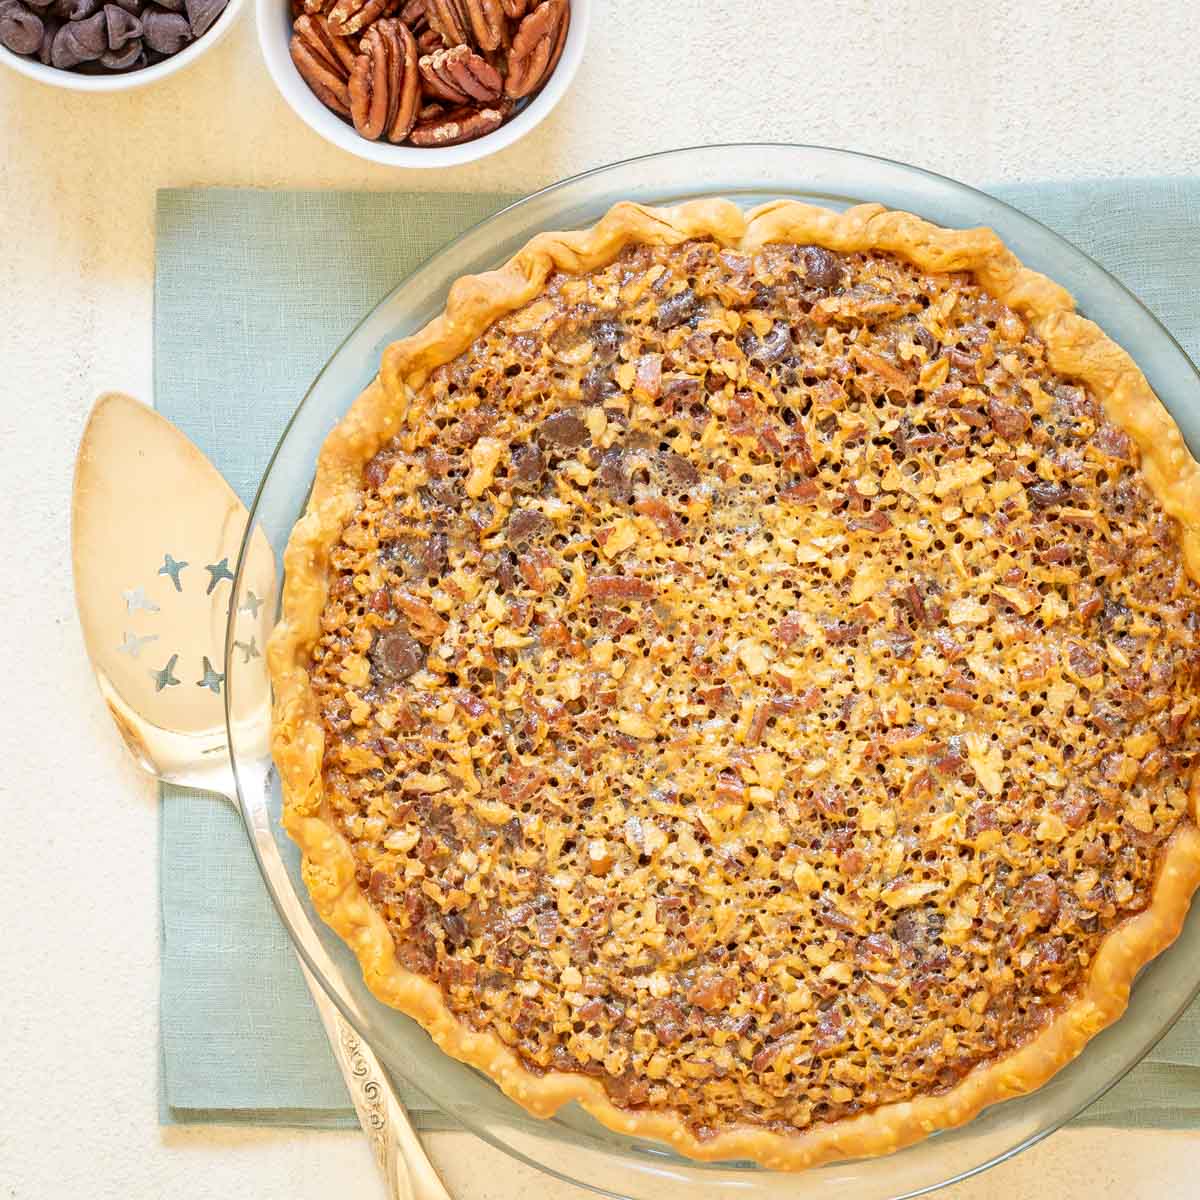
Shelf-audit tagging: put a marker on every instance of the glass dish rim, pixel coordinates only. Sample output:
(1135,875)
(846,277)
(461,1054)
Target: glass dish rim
(448,249)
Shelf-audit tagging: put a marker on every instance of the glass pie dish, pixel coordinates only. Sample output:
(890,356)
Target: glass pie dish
(572,1145)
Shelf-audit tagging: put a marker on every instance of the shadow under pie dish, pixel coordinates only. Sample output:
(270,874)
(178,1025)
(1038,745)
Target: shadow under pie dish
(736,672)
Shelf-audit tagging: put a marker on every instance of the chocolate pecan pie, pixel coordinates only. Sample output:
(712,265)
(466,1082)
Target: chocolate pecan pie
(739,672)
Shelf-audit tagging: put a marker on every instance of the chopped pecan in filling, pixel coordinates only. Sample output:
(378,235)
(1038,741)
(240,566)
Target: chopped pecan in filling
(757,682)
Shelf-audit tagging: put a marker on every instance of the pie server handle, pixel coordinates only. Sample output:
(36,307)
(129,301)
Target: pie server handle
(394,1142)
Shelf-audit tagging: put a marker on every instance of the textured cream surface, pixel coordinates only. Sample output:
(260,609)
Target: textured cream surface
(77,180)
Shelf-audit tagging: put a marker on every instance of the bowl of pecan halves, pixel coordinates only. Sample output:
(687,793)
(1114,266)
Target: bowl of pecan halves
(422,83)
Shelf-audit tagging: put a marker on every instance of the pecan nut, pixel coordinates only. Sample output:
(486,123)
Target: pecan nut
(385,82)
(468,22)
(458,125)
(514,10)
(487,23)
(348,17)
(324,61)
(448,18)
(536,48)
(460,76)
(413,15)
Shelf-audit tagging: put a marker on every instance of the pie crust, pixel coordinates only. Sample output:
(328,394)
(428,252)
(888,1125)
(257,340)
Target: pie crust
(1075,347)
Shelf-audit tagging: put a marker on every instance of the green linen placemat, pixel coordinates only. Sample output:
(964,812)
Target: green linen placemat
(253,292)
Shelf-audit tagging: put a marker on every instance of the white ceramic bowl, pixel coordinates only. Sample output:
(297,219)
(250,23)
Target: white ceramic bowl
(275,31)
(126,81)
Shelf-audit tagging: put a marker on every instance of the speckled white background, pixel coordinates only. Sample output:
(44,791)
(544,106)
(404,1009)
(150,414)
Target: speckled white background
(980,91)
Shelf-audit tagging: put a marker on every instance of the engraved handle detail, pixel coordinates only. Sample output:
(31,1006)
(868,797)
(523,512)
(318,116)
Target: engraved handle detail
(406,1168)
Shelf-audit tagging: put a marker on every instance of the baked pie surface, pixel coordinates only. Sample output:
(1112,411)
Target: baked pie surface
(739,671)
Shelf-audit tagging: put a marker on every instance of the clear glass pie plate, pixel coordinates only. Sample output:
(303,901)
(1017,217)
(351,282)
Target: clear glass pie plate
(573,1146)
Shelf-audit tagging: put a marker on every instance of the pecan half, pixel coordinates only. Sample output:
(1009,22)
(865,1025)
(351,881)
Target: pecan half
(460,76)
(537,47)
(467,22)
(487,23)
(448,18)
(514,10)
(348,17)
(385,82)
(458,125)
(413,15)
(324,61)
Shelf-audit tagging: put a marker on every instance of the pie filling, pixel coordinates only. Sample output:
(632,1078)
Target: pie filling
(757,682)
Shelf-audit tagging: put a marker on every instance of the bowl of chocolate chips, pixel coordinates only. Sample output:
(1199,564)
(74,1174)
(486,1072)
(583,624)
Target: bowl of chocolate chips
(422,83)
(109,45)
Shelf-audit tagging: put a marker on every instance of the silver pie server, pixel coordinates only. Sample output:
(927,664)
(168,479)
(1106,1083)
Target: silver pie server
(155,531)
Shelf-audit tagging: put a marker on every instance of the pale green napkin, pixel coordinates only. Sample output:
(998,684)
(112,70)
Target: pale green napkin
(253,292)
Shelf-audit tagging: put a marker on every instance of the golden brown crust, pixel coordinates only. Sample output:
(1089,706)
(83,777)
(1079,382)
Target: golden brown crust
(1075,347)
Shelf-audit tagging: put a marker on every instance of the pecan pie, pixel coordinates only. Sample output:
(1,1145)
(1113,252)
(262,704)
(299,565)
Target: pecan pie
(739,671)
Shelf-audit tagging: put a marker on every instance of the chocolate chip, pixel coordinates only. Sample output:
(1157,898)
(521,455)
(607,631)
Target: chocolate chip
(76,10)
(130,55)
(917,929)
(525,524)
(1114,442)
(472,425)
(506,572)
(437,554)
(1007,420)
(565,429)
(597,385)
(51,26)
(20,29)
(456,930)
(202,14)
(1045,494)
(442,494)
(771,348)
(418,557)
(678,308)
(1113,614)
(614,473)
(607,337)
(1084,662)
(80,41)
(681,472)
(821,268)
(923,337)
(164,31)
(528,465)
(1039,897)
(376,471)
(395,655)
(120,27)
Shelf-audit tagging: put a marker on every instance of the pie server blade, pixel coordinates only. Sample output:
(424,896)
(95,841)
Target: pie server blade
(155,533)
